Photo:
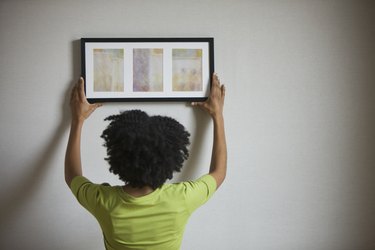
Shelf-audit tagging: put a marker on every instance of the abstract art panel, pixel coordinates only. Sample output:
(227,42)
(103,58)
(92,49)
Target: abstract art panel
(187,70)
(147,70)
(108,70)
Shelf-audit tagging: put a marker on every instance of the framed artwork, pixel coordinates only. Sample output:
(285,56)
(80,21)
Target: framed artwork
(147,69)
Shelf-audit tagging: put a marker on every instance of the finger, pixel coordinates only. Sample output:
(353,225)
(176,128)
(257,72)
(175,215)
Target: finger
(215,90)
(223,91)
(81,89)
(216,80)
(73,94)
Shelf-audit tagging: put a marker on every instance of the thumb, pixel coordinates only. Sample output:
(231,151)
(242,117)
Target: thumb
(201,105)
(92,108)
(197,104)
(96,105)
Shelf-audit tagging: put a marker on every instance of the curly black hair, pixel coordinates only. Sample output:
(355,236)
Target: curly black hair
(145,150)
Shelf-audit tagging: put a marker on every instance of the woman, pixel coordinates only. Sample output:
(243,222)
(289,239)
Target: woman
(144,151)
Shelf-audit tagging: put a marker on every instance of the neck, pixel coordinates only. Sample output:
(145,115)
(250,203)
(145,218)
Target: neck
(138,192)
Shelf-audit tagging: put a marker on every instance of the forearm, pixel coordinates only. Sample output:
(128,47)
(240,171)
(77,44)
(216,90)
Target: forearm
(218,167)
(73,153)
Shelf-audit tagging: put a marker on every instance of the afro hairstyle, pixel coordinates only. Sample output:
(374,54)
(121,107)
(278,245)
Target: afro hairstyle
(145,150)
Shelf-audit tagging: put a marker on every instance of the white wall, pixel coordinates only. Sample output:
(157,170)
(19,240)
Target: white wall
(299,118)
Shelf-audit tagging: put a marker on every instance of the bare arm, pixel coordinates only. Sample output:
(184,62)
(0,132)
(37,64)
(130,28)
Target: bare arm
(214,106)
(81,110)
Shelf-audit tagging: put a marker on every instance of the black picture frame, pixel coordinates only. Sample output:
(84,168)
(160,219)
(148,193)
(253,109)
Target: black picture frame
(122,59)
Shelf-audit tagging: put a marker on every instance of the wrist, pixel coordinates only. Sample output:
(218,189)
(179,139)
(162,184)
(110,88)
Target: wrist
(77,122)
(218,117)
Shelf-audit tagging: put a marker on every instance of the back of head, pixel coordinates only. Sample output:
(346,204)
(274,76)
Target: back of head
(145,150)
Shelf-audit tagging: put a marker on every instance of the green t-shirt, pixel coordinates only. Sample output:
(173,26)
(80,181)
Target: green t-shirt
(154,221)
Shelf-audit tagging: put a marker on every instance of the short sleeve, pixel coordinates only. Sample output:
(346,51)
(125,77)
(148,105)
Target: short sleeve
(86,192)
(199,192)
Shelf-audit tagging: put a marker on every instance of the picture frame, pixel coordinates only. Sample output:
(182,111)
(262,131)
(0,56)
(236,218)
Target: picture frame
(147,69)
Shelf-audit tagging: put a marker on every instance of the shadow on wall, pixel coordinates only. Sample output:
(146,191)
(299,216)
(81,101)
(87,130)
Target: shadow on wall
(25,189)
(361,212)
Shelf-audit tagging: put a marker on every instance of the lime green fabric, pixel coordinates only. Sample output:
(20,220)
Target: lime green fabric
(154,221)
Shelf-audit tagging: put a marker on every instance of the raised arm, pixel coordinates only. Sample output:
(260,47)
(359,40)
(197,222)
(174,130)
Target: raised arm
(214,106)
(81,110)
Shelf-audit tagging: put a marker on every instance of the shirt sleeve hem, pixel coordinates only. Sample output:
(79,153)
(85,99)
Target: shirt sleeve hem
(76,183)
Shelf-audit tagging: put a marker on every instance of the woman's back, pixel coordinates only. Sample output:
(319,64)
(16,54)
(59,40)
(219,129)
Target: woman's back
(153,221)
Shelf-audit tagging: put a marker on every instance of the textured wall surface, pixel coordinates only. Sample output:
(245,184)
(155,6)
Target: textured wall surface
(299,112)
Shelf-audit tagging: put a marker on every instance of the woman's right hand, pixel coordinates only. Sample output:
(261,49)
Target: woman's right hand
(215,103)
